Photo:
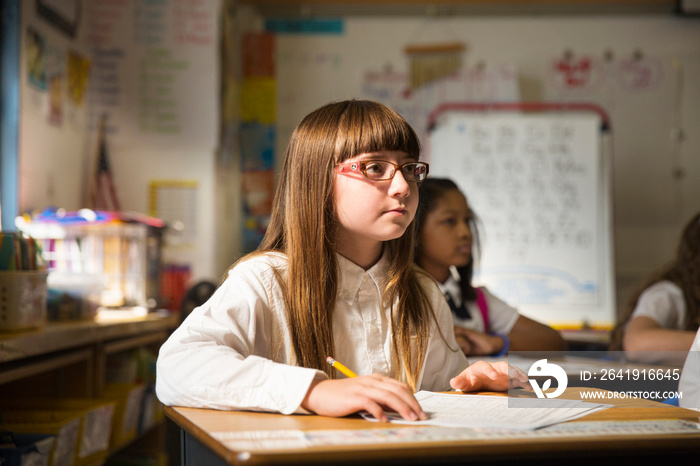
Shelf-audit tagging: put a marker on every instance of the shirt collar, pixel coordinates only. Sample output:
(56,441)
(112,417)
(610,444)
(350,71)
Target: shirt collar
(351,276)
(452,287)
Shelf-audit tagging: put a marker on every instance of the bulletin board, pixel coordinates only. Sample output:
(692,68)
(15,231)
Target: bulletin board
(538,177)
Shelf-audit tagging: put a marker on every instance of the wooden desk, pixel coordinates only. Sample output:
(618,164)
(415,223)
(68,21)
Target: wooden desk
(199,447)
(586,339)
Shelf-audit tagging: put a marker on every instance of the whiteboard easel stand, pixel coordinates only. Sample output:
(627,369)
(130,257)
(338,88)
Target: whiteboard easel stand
(606,165)
(519,106)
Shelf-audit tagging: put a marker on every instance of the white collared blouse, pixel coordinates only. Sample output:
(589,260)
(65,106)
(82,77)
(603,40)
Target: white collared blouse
(689,385)
(664,303)
(235,351)
(502,317)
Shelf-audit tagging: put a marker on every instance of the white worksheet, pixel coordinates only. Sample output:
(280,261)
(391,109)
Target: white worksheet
(496,412)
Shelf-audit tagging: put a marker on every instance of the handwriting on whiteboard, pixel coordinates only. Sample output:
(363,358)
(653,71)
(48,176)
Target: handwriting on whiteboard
(534,183)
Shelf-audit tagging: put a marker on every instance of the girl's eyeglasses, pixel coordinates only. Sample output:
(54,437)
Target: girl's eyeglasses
(381,170)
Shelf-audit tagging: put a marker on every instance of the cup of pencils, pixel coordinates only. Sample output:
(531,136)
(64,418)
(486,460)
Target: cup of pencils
(23,289)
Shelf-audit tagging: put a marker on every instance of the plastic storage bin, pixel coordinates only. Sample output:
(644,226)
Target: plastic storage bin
(96,417)
(73,296)
(23,297)
(151,411)
(25,449)
(123,251)
(95,427)
(64,425)
(129,402)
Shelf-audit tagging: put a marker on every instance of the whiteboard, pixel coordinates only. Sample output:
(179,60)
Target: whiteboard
(540,185)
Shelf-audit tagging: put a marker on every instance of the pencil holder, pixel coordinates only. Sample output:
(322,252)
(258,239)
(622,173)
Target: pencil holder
(23,297)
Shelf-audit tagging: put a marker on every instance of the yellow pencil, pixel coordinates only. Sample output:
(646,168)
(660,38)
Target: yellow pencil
(340,367)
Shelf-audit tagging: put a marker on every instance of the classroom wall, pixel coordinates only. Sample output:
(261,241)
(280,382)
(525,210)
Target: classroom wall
(655,189)
(152,71)
(53,124)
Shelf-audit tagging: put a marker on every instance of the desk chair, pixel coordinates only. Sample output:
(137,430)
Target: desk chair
(196,296)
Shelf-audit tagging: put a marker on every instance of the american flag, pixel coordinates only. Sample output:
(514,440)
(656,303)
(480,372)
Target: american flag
(103,193)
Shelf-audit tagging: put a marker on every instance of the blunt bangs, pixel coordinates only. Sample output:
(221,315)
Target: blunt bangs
(366,126)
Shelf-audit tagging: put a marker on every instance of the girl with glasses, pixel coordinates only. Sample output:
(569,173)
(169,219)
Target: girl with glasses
(333,276)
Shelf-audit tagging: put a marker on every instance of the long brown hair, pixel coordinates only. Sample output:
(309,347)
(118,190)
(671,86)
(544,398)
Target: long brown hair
(303,225)
(684,271)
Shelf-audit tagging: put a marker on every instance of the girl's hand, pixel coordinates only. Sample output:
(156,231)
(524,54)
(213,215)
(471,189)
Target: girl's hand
(475,343)
(462,340)
(494,377)
(372,393)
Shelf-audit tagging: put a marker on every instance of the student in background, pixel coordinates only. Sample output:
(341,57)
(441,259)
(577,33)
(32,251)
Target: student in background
(689,386)
(664,314)
(446,240)
(334,276)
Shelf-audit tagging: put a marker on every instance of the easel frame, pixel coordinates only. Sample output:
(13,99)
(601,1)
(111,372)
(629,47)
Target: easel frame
(608,299)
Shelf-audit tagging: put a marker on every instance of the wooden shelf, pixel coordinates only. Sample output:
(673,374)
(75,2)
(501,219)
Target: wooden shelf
(306,8)
(61,336)
(46,364)
(74,354)
(134,342)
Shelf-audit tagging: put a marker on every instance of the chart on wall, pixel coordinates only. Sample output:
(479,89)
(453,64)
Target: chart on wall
(539,184)
(155,72)
(155,81)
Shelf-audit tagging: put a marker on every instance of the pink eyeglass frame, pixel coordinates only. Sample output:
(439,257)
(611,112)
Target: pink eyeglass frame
(360,166)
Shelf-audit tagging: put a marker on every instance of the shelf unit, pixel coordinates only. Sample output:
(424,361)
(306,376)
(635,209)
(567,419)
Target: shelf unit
(65,360)
(59,345)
